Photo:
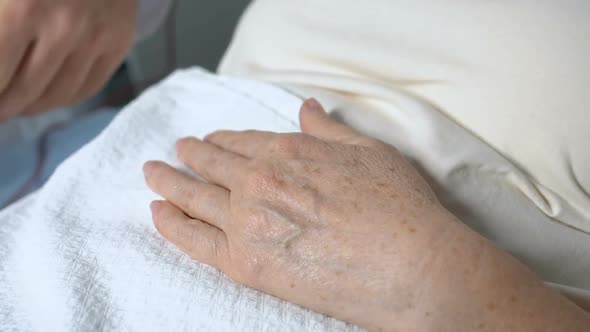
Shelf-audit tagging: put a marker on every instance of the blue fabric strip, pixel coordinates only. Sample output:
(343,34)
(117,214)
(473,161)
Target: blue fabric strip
(19,161)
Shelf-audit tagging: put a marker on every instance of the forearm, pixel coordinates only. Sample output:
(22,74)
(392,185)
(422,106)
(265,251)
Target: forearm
(474,286)
(490,290)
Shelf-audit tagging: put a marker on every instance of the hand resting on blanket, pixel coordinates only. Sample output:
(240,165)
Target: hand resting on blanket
(341,223)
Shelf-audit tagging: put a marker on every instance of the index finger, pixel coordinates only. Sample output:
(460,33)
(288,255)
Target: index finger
(216,165)
(249,143)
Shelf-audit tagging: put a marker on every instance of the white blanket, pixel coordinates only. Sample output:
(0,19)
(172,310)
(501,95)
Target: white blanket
(82,253)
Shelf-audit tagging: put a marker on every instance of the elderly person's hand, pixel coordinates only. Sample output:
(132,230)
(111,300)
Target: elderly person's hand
(343,224)
(59,52)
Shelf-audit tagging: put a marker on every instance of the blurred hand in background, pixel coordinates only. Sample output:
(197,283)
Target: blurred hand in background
(55,53)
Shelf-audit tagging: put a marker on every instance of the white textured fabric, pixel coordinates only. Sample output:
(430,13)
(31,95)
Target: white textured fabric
(82,253)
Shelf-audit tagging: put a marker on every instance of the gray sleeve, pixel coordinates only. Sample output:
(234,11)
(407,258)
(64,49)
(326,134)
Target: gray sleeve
(150,15)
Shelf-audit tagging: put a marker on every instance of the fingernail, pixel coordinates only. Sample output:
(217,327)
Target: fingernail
(314,105)
(155,206)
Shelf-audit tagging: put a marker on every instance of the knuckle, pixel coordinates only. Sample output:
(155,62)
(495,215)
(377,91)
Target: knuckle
(263,179)
(288,145)
(65,27)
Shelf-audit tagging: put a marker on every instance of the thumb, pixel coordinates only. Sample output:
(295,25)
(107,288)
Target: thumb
(316,122)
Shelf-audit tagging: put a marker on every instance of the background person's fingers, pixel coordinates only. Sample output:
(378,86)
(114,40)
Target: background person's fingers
(213,163)
(200,240)
(102,70)
(12,54)
(35,74)
(15,40)
(316,122)
(7,73)
(61,92)
(199,200)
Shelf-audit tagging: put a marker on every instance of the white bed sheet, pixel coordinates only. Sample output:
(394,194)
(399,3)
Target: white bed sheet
(82,254)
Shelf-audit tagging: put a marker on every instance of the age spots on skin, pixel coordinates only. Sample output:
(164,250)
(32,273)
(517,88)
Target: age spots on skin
(356,206)
(491,306)
(347,180)
(312,170)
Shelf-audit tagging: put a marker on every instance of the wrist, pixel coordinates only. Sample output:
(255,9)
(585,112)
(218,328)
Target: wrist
(482,287)
(443,260)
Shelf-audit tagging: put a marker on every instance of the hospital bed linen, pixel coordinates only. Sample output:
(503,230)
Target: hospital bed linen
(82,254)
(24,169)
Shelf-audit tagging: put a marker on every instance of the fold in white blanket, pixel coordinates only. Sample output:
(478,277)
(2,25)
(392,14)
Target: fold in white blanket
(82,253)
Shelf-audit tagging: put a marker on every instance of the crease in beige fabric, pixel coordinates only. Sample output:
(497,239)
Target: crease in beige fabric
(489,98)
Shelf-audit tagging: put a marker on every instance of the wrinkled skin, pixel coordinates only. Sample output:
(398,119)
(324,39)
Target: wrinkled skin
(55,53)
(332,220)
